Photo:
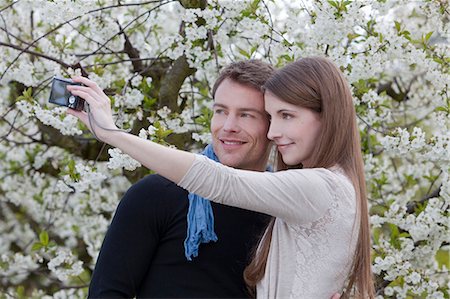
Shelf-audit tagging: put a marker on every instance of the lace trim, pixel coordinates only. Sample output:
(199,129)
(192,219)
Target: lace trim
(313,245)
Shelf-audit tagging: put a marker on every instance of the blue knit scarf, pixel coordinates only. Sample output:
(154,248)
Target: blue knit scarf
(200,218)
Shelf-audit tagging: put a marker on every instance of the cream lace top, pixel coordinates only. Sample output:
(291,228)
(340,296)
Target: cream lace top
(314,237)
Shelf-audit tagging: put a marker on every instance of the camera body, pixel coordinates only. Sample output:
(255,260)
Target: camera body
(59,94)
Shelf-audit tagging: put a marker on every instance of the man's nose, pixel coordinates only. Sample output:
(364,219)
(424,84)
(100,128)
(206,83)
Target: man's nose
(231,124)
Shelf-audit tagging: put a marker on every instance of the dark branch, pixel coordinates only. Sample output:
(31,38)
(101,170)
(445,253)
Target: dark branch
(194,3)
(171,83)
(132,52)
(36,54)
(413,205)
(85,148)
(71,20)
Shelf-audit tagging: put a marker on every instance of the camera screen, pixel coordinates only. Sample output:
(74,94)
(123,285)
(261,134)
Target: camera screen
(59,93)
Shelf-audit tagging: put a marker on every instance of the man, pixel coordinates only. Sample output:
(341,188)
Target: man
(143,254)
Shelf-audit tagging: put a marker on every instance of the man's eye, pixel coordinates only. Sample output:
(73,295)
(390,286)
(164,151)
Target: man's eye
(218,111)
(245,115)
(286,116)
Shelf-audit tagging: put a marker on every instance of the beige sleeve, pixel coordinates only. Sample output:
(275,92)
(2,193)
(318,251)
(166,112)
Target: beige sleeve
(298,196)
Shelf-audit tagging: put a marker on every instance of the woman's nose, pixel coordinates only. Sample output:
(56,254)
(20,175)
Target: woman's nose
(274,132)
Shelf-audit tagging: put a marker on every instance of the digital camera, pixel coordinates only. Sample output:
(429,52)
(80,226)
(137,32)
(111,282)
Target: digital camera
(59,94)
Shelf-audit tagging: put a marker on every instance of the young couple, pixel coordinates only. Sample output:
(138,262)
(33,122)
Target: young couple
(317,240)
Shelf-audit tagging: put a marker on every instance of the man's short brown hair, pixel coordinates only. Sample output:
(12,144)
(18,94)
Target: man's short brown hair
(251,72)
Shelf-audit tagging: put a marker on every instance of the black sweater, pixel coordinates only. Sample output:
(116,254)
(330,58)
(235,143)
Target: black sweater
(143,253)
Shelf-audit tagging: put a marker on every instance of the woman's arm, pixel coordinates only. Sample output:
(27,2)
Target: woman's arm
(299,196)
(170,163)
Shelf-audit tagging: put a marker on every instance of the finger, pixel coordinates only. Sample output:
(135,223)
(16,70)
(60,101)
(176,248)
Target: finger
(86,96)
(96,92)
(88,83)
(336,296)
(89,91)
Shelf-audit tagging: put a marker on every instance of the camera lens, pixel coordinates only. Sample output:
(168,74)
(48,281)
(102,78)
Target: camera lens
(71,99)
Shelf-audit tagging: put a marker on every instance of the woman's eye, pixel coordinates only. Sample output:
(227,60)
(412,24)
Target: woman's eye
(218,111)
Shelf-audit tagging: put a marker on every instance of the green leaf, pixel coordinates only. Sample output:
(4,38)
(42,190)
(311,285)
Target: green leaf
(250,10)
(442,257)
(254,5)
(376,235)
(38,197)
(406,34)
(72,171)
(382,180)
(282,59)
(431,178)
(71,165)
(404,235)
(21,292)
(441,108)
(333,3)
(253,49)
(145,87)
(36,246)
(165,133)
(27,95)
(394,230)
(410,180)
(204,118)
(244,53)
(395,235)
(149,103)
(352,36)
(43,236)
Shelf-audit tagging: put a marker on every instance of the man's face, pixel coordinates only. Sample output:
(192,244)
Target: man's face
(239,126)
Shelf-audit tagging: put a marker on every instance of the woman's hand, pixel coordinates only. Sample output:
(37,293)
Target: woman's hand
(100,122)
(168,162)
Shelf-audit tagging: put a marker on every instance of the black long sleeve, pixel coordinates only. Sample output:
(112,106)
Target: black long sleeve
(143,253)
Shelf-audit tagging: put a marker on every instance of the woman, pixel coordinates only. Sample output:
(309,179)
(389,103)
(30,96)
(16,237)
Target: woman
(318,242)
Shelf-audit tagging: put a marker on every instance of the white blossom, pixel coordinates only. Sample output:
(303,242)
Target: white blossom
(64,265)
(120,160)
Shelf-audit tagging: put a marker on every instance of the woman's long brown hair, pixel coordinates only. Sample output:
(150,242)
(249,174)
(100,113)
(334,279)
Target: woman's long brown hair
(317,84)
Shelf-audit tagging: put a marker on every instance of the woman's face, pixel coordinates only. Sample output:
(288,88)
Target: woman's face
(294,130)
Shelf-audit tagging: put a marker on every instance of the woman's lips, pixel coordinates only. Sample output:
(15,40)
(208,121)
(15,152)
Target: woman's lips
(283,146)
